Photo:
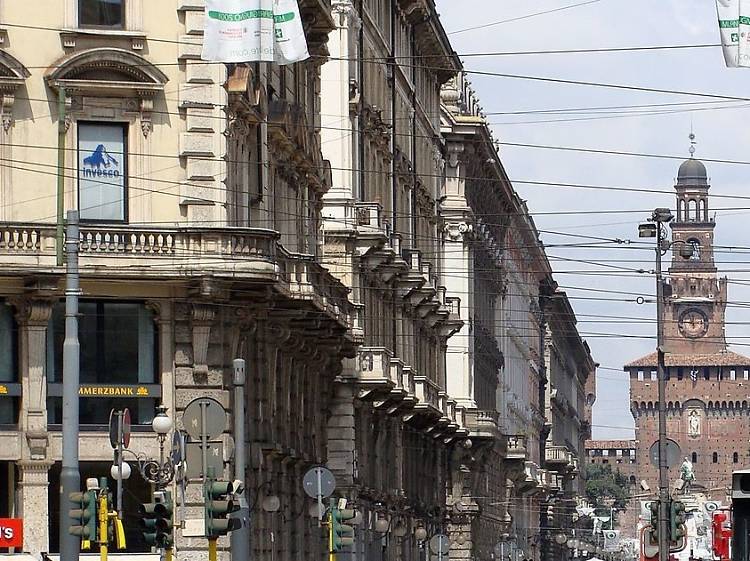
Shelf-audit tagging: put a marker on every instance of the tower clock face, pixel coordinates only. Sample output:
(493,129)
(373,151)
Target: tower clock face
(693,323)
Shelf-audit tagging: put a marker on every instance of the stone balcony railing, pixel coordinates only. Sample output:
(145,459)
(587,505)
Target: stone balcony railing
(427,392)
(180,253)
(557,455)
(516,447)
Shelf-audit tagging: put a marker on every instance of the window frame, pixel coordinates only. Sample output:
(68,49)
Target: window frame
(122,27)
(125,170)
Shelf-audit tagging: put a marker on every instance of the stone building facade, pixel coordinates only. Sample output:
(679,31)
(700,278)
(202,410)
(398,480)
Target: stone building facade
(707,395)
(395,426)
(324,221)
(568,400)
(200,245)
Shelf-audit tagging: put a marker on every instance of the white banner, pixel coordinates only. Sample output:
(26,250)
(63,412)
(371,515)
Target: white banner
(254,30)
(729,22)
(734,28)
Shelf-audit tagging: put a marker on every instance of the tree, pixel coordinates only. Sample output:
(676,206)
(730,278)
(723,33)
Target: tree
(606,489)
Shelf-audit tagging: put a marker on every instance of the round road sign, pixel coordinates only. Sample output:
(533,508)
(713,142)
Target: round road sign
(119,428)
(440,544)
(673,453)
(215,419)
(318,481)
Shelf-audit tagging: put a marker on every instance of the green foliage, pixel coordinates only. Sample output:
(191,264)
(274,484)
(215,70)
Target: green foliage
(606,488)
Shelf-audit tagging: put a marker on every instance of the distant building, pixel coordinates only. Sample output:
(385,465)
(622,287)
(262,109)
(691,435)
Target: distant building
(707,387)
(621,456)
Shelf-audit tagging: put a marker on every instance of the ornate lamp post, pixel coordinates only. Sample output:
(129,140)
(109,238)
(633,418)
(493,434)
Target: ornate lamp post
(159,472)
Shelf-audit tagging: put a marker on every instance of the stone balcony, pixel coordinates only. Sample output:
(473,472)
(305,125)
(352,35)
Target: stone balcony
(251,257)
(516,448)
(557,456)
(483,423)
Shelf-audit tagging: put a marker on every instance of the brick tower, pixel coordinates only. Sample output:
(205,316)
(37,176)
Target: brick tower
(708,390)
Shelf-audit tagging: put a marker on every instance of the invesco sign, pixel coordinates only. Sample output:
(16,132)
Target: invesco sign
(11,532)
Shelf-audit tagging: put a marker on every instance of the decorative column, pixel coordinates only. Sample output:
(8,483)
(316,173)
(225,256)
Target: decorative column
(33,316)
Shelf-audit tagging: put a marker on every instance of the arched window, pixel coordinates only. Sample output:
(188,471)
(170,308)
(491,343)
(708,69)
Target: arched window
(735,458)
(695,245)
(632,479)
(680,210)
(692,210)
(715,458)
(694,458)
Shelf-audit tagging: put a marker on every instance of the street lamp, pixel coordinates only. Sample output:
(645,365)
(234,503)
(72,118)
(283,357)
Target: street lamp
(157,472)
(659,218)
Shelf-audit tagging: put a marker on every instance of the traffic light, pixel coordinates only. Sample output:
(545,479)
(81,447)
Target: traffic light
(677,529)
(218,507)
(341,535)
(156,520)
(84,515)
(721,536)
(653,507)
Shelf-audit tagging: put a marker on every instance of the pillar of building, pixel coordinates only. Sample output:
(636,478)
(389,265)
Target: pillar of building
(33,506)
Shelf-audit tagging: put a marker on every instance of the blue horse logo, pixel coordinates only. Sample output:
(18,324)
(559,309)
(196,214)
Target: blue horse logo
(100,158)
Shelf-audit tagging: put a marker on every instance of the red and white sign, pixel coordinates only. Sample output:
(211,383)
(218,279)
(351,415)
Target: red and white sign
(11,532)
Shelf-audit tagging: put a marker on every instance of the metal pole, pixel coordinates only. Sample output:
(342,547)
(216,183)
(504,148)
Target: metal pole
(240,538)
(70,477)
(120,418)
(662,390)
(60,175)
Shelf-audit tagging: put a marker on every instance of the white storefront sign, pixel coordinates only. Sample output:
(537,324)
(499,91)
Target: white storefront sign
(734,29)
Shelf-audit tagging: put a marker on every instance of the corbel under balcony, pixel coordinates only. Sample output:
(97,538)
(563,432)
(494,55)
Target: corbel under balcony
(411,279)
(530,482)
(395,265)
(483,424)
(453,323)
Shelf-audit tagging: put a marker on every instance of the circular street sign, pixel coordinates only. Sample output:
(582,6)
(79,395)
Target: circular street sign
(318,481)
(178,447)
(126,427)
(439,543)
(113,418)
(216,418)
(673,453)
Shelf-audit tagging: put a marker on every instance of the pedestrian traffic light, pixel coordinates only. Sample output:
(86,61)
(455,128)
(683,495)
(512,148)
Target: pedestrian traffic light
(677,529)
(341,535)
(218,507)
(84,515)
(156,520)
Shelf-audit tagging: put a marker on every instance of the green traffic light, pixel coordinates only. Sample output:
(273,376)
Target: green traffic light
(156,520)
(84,517)
(218,505)
(342,535)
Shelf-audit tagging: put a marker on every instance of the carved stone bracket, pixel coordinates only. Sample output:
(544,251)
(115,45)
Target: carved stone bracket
(457,231)
(202,319)
(146,107)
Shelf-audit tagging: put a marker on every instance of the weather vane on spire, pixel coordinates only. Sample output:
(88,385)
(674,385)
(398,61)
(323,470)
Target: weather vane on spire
(691,136)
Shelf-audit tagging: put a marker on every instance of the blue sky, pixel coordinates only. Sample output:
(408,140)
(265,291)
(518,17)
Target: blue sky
(719,128)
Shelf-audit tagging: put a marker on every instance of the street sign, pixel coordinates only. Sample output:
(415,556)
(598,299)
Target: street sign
(673,453)
(119,431)
(215,421)
(319,482)
(178,447)
(114,429)
(440,544)
(214,459)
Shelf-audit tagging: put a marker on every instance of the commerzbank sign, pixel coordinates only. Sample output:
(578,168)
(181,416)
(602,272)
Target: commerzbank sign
(114,391)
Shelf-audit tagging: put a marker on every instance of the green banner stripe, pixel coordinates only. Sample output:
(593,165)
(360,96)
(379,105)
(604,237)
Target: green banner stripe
(251,14)
(728,23)
(281,18)
(241,16)
(744,20)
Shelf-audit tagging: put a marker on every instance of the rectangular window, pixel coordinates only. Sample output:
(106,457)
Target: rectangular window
(653,375)
(706,373)
(732,374)
(8,364)
(640,375)
(679,373)
(107,14)
(118,348)
(746,374)
(102,171)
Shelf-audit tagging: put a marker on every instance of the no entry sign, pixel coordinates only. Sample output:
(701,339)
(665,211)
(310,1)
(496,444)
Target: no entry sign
(11,532)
